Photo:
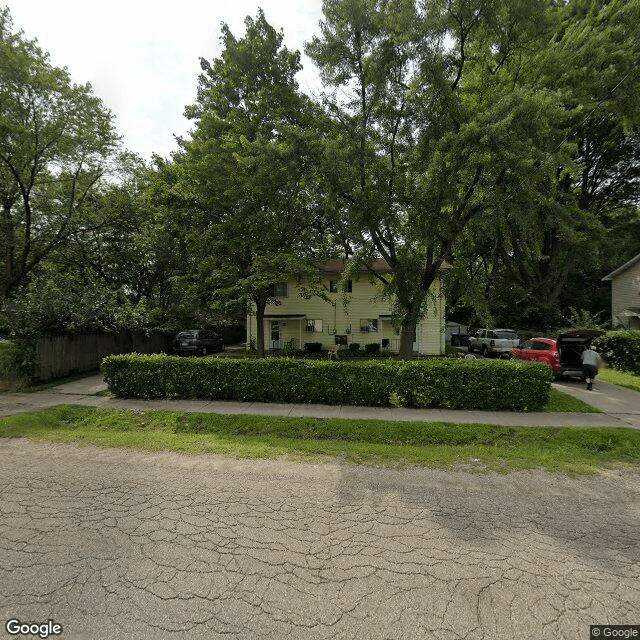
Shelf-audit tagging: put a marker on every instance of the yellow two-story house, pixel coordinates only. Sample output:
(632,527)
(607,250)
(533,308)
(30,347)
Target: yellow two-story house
(359,315)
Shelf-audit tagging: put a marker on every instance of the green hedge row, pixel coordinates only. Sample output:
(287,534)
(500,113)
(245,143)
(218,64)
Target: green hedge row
(459,384)
(620,350)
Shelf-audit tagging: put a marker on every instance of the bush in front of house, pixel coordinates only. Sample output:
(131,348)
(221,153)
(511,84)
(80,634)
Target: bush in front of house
(312,347)
(372,349)
(460,384)
(620,350)
(354,347)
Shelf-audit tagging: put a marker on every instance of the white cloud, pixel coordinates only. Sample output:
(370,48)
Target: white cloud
(142,56)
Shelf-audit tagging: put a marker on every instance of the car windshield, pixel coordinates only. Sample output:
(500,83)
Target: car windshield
(506,335)
(187,334)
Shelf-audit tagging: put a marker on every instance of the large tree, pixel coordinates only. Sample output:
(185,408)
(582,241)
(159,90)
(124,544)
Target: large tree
(56,139)
(433,130)
(244,181)
(556,261)
(114,273)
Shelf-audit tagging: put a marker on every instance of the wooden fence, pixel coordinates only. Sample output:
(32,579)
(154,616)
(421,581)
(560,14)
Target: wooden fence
(61,355)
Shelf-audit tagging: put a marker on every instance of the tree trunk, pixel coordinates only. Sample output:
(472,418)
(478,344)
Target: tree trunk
(261,304)
(7,248)
(407,338)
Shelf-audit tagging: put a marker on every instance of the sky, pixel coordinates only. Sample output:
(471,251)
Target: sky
(142,56)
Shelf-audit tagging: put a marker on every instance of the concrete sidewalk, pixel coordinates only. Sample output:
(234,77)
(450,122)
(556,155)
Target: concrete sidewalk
(617,402)
(621,407)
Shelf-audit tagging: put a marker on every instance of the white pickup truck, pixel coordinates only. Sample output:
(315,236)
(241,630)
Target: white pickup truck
(494,342)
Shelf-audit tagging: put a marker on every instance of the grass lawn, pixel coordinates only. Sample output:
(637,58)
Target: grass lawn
(560,402)
(620,378)
(370,442)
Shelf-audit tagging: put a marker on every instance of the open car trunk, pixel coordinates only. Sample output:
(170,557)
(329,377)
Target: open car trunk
(571,344)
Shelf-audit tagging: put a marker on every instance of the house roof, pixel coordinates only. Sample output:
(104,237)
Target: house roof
(624,267)
(380,265)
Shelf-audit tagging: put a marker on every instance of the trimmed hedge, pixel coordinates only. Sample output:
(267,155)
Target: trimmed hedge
(448,383)
(620,349)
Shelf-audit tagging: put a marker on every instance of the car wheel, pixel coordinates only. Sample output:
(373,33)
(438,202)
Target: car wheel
(485,351)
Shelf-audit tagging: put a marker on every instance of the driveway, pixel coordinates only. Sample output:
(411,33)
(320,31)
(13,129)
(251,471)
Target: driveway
(617,402)
(113,544)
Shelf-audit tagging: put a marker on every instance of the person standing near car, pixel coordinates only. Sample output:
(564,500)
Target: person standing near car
(590,362)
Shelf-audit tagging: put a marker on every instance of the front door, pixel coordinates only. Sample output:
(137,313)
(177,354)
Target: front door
(276,342)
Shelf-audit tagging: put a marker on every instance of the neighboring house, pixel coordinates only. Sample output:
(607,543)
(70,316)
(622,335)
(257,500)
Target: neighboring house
(625,294)
(366,318)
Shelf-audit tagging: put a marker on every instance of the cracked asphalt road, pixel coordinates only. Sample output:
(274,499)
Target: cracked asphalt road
(121,545)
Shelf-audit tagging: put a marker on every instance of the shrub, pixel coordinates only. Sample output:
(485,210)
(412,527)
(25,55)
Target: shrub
(17,362)
(372,349)
(354,347)
(620,349)
(460,384)
(312,347)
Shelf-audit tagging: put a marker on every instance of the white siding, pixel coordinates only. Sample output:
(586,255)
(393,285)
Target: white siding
(625,293)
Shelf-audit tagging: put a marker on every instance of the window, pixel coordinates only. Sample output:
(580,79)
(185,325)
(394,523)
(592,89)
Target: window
(370,325)
(279,290)
(334,286)
(505,335)
(314,326)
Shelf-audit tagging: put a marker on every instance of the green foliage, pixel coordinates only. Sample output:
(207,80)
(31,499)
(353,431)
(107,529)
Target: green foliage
(476,384)
(550,252)
(437,129)
(583,318)
(56,139)
(354,347)
(244,183)
(290,348)
(61,304)
(17,360)
(372,349)
(312,347)
(620,349)
(7,372)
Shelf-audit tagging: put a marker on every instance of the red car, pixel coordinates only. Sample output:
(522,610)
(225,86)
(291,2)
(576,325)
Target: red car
(563,355)
(540,349)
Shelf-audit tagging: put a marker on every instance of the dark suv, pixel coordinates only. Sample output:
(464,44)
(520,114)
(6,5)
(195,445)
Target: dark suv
(197,342)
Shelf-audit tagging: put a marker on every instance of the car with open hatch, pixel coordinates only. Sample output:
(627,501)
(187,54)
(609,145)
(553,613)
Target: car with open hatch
(563,354)
(197,342)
